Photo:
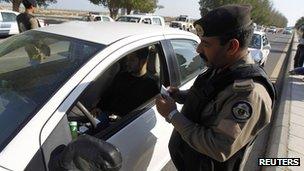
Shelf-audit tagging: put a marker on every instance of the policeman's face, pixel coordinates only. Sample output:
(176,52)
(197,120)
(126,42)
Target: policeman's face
(214,53)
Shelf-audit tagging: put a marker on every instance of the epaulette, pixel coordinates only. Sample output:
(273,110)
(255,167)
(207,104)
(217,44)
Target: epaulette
(243,85)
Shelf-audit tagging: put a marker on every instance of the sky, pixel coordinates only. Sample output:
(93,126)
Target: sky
(291,9)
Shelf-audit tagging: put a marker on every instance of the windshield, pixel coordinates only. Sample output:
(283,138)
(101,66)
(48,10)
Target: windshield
(181,19)
(129,19)
(255,41)
(33,66)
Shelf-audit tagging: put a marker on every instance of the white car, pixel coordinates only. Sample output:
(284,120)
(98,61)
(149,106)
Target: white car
(39,100)
(146,19)
(259,47)
(8,23)
(98,17)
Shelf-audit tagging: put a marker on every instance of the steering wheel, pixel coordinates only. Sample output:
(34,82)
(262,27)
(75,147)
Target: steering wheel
(88,115)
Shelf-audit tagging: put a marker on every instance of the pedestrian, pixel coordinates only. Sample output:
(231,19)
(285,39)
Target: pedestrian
(228,105)
(26,20)
(299,57)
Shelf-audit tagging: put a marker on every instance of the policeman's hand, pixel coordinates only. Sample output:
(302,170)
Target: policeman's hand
(174,92)
(165,105)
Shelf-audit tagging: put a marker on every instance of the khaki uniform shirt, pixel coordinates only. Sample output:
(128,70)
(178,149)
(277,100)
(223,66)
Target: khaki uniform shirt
(230,131)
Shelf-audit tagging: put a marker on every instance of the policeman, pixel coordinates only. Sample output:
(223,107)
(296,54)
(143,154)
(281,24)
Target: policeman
(228,105)
(26,20)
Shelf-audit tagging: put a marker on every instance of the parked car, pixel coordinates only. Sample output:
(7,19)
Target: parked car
(259,47)
(287,30)
(38,101)
(146,19)
(98,17)
(183,22)
(8,23)
(272,29)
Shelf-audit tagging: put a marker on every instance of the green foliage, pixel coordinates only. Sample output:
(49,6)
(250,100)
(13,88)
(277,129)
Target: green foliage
(300,23)
(144,6)
(262,10)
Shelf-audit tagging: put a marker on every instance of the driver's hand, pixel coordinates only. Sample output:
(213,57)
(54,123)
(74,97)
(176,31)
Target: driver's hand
(95,112)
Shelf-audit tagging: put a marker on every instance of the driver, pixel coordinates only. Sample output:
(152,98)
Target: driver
(129,89)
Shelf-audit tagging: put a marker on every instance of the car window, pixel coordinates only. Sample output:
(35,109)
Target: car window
(128,19)
(265,41)
(8,17)
(189,62)
(33,66)
(105,19)
(146,21)
(255,41)
(157,21)
(97,18)
(123,89)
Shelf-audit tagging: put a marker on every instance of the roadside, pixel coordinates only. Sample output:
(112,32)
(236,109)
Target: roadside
(286,138)
(277,76)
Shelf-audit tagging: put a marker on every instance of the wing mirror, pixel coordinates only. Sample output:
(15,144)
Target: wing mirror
(267,47)
(87,153)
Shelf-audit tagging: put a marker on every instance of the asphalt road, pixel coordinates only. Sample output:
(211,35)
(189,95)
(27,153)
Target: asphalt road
(278,43)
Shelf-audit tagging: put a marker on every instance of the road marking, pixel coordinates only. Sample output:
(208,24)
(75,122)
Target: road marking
(277,68)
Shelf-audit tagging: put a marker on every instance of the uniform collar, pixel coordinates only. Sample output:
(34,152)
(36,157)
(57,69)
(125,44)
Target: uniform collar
(243,61)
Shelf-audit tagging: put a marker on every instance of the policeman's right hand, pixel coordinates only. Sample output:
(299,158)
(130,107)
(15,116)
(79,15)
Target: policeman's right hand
(174,92)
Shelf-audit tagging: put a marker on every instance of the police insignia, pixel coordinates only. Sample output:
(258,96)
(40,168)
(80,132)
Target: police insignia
(199,30)
(242,111)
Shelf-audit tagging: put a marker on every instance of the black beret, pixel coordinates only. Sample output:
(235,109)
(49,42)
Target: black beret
(224,20)
(31,2)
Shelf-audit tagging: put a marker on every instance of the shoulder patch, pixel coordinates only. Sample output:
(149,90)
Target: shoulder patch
(243,85)
(241,111)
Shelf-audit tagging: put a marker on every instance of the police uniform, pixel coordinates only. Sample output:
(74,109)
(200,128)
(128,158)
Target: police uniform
(225,109)
(27,21)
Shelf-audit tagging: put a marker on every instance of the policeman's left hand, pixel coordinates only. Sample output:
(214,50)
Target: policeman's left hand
(165,105)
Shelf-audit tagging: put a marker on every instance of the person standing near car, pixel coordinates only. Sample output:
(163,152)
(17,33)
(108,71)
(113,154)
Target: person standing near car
(299,57)
(228,105)
(26,20)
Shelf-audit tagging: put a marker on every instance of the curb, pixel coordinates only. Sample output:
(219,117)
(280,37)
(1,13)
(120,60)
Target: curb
(278,141)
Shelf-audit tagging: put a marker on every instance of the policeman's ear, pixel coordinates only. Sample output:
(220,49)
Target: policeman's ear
(233,46)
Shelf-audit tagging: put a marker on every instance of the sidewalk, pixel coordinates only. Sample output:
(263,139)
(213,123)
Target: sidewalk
(287,134)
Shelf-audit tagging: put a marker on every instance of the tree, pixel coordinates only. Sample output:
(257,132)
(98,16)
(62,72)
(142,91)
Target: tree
(262,10)
(144,6)
(16,3)
(300,23)
(113,5)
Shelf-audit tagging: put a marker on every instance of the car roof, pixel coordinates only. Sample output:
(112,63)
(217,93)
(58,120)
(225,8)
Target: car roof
(108,32)
(9,11)
(259,32)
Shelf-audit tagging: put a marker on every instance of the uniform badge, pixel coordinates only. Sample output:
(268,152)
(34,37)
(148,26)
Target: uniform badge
(199,30)
(242,111)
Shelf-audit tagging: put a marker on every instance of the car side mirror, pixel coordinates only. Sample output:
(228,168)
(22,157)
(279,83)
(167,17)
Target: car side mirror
(88,153)
(267,47)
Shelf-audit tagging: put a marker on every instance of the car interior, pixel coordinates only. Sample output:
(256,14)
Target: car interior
(81,112)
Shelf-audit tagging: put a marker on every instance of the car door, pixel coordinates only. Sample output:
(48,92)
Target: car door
(188,61)
(141,137)
(8,25)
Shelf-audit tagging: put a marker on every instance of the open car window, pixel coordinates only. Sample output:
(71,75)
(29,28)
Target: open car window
(118,94)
